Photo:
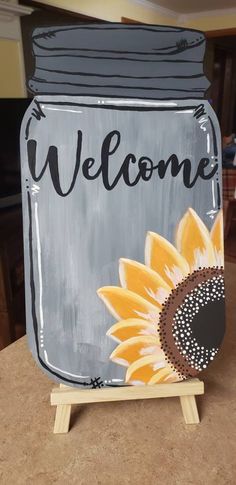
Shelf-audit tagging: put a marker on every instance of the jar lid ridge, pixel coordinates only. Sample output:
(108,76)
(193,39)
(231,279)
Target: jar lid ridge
(113,59)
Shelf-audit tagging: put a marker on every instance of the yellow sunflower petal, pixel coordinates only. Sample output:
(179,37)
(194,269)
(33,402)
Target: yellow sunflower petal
(217,234)
(132,327)
(142,370)
(136,347)
(162,257)
(193,241)
(160,375)
(124,304)
(144,281)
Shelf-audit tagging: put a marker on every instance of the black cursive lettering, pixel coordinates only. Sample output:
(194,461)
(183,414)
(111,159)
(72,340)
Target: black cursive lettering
(144,166)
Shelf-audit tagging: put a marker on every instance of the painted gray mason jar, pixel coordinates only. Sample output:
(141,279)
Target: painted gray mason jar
(121,181)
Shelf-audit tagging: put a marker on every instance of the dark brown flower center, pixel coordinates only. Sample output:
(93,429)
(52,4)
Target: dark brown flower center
(192,321)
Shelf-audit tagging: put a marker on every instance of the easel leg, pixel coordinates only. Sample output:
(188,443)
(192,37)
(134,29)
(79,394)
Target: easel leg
(189,408)
(62,418)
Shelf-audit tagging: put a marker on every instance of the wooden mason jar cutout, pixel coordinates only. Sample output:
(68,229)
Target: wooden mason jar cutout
(121,182)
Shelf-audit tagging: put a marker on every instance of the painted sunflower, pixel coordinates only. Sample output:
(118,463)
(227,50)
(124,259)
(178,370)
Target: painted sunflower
(170,311)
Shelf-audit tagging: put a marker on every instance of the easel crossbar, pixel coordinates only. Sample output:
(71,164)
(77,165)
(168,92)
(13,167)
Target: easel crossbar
(68,395)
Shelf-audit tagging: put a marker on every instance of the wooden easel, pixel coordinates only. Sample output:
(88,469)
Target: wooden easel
(64,397)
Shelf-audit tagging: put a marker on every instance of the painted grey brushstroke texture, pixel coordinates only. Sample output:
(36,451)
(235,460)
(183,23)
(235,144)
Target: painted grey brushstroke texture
(78,240)
(83,235)
(66,64)
(82,51)
(99,37)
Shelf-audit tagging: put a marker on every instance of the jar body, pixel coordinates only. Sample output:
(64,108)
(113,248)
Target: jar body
(97,175)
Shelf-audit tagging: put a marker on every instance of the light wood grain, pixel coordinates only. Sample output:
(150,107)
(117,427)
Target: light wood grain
(64,396)
(62,418)
(69,395)
(189,408)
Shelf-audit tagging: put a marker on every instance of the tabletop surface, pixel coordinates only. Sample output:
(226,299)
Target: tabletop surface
(138,442)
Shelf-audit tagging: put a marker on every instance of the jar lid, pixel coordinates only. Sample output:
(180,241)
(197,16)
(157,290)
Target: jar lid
(113,59)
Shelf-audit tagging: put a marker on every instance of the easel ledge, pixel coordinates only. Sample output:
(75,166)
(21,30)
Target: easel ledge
(64,397)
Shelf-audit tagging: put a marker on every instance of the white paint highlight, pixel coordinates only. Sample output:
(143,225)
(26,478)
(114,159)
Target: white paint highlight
(61,109)
(208,143)
(202,122)
(211,212)
(185,111)
(213,193)
(138,102)
(35,189)
(38,244)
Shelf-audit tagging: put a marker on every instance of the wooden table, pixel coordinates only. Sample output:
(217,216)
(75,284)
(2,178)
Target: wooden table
(128,443)
(133,443)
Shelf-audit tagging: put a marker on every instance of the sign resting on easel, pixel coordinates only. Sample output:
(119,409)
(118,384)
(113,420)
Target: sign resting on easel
(121,182)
